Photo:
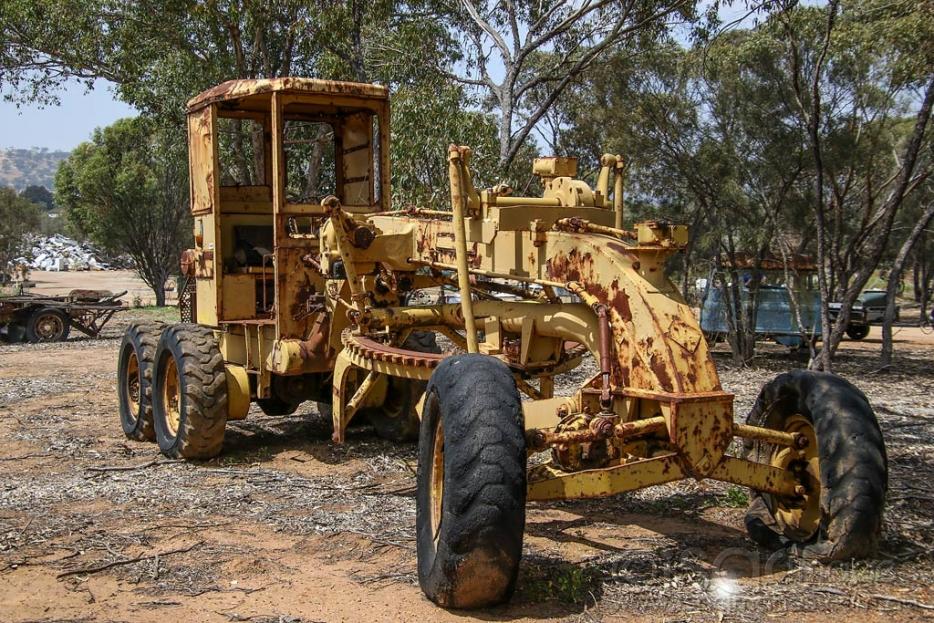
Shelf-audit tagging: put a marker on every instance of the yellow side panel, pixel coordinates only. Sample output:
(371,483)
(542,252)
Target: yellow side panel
(202,158)
(206,303)
(239,297)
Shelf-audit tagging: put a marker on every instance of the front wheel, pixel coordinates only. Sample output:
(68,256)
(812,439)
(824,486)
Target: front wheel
(190,393)
(470,499)
(843,469)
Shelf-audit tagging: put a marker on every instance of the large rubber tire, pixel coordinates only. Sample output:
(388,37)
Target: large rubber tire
(47,325)
(191,418)
(853,467)
(276,406)
(857,332)
(397,420)
(469,533)
(134,379)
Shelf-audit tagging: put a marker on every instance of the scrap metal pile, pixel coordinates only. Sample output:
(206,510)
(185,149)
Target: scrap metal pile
(60,253)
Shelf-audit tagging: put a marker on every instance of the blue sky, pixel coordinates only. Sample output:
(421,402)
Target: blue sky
(61,127)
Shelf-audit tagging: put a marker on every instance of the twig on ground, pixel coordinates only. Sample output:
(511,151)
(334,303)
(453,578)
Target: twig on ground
(130,468)
(215,589)
(25,456)
(901,600)
(128,561)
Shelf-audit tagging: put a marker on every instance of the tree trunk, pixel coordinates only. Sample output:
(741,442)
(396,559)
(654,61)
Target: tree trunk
(258,139)
(160,296)
(925,284)
(916,273)
(505,132)
(244,170)
(895,277)
(812,117)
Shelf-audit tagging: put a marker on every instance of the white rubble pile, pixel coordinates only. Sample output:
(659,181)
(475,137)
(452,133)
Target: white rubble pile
(58,253)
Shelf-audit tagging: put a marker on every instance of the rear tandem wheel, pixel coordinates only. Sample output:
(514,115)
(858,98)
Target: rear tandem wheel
(134,379)
(396,419)
(190,393)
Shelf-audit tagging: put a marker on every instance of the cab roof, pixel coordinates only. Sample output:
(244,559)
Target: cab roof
(236,90)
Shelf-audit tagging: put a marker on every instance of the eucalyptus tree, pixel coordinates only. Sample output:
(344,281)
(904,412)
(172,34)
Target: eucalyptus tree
(19,217)
(126,190)
(503,43)
(704,145)
(853,70)
(161,53)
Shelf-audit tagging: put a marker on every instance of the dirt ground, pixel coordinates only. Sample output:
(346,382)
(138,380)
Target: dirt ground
(286,526)
(59,283)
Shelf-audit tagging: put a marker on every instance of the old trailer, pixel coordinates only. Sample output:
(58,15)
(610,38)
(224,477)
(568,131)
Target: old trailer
(40,318)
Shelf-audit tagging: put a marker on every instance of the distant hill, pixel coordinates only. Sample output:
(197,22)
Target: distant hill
(20,168)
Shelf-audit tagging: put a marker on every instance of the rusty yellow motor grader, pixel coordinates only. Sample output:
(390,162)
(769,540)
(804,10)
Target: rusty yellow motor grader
(306,285)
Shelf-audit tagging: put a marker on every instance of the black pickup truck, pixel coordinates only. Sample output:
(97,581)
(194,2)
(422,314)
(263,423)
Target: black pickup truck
(869,309)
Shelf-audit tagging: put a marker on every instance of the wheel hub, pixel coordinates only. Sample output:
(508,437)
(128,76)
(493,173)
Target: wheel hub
(171,397)
(49,327)
(133,383)
(437,482)
(800,517)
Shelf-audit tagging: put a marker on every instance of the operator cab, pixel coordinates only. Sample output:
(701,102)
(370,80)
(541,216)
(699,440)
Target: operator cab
(262,155)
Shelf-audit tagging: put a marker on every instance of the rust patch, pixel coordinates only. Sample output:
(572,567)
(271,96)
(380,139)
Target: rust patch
(236,89)
(661,373)
(303,294)
(317,343)
(621,304)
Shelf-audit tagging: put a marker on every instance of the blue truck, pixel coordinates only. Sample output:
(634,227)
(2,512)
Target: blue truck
(775,318)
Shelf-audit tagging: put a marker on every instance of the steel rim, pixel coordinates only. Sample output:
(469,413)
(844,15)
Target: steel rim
(171,396)
(436,484)
(49,327)
(133,383)
(800,517)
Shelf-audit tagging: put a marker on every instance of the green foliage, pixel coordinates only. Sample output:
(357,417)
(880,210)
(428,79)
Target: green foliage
(52,223)
(565,583)
(425,121)
(161,53)
(126,190)
(716,135)
(735,497)
(19,217)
